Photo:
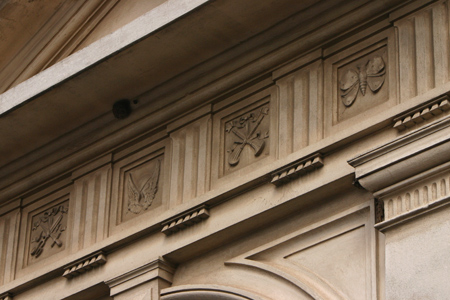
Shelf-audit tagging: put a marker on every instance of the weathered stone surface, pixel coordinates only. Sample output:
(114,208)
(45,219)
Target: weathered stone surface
(270,150)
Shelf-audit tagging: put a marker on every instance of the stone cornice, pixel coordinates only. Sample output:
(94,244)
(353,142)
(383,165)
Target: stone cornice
(404,157)
(145,117)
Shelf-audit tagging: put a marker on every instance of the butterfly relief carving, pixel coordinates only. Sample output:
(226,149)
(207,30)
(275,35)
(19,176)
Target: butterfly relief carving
(141,198)
(371,74)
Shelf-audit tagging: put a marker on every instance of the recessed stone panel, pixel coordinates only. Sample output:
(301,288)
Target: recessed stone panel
(45,229)
(247,132)
(247,137)
(361,84)
(139,186)
(359,81)
(48,231)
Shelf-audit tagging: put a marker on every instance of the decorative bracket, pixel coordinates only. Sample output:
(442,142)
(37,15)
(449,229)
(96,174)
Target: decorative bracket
(297,169)
(85,264)
(422,113)
(186,219)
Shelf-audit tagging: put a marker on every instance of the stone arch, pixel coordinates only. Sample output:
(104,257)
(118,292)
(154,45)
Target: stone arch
(206,292)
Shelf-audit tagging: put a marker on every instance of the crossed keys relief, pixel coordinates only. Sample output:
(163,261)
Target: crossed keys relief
(48,228)
(245,131)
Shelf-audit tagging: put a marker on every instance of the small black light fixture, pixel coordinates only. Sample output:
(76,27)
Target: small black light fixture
(122,109)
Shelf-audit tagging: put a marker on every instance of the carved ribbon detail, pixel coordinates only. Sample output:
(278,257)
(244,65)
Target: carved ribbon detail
(50,228)
(141,199)
(245,133)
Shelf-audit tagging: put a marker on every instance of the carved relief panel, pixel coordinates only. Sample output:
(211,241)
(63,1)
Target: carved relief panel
(246,136)
(138,185)
(47,231)
(363,75)
(141,188)
(247,130)
(360,81)
(45,228)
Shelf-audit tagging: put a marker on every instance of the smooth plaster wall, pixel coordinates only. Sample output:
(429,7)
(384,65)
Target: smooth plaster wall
(418,258)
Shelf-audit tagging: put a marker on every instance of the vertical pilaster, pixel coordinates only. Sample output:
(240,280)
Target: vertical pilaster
(9,233)
(91,197)
(190,174)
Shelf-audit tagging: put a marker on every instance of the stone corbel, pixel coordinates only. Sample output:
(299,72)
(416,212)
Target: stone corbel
(85,264)
(422,113)
(408,175)
(186,219)
(144,282)
(297,169)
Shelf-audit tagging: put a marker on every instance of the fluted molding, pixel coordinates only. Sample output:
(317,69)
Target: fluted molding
(409,175)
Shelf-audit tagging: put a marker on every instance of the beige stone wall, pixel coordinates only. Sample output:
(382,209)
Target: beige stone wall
(323,175)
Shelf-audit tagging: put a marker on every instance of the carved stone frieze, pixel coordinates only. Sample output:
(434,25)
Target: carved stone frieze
(47,228)
(422,113)
(297,169)
(430,192)
(371,73)
(187,219)
(83,265)
(246,130)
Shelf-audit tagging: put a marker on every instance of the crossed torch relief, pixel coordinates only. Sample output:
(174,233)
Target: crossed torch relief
(245,132)
(50,229)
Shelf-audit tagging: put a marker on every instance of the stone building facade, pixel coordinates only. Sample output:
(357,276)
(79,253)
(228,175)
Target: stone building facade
(227,149)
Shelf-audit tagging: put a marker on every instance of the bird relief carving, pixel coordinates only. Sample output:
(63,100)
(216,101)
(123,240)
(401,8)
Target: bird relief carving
(140,198)
(245,131)
(356,80)
(48,228)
